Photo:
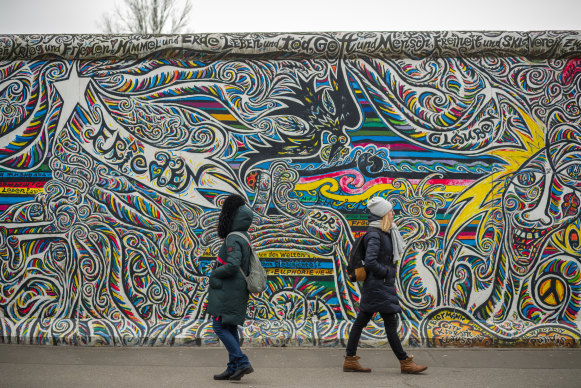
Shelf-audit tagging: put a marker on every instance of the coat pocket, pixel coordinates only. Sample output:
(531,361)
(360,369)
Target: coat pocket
(215,283)
(390,275)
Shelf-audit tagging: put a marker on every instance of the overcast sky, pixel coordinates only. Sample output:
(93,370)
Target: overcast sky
(81,16)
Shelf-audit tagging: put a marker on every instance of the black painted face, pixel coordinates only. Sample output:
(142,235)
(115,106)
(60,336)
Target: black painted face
(323,104)
(543,197)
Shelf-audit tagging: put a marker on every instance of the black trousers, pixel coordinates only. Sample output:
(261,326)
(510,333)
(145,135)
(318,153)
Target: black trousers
(390,322)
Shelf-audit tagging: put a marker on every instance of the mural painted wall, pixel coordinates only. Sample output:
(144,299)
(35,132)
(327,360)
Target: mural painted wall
(116,153)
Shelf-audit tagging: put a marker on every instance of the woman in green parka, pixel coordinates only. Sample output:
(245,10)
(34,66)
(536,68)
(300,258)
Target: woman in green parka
(228,295)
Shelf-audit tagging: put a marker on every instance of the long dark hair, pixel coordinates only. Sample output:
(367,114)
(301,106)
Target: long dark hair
(231,204)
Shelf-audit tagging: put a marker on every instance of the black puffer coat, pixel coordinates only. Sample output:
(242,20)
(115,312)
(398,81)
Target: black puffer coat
(379,294)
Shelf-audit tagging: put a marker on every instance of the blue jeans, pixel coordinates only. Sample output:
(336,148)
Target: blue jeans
(228,334)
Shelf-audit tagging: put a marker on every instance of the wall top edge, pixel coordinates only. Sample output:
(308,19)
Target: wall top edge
(317,45)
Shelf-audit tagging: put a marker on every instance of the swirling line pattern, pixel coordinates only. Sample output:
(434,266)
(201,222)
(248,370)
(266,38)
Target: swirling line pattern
(113,173)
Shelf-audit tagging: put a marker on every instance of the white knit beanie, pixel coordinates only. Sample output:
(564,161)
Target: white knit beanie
(379,206)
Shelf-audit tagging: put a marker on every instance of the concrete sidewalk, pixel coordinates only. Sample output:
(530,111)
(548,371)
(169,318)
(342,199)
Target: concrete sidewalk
(64,366)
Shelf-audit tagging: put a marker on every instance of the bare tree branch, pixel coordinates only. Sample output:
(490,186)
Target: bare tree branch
(147,17)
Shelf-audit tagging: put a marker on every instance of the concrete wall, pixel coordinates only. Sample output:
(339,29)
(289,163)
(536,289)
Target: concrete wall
(116,152)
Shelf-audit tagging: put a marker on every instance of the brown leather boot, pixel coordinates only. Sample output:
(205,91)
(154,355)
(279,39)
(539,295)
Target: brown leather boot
(352,364)
(409,366)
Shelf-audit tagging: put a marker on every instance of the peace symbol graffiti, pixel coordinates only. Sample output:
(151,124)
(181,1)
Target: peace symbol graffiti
(552,291)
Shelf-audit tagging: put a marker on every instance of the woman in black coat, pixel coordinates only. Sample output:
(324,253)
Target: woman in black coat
(383,248)
(228,294)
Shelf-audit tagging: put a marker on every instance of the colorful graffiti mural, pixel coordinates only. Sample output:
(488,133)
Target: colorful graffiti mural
(116,153)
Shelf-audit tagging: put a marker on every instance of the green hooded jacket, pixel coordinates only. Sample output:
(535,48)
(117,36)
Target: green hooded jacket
(228,296)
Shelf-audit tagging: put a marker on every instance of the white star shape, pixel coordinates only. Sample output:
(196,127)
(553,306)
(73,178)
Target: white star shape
(72,90)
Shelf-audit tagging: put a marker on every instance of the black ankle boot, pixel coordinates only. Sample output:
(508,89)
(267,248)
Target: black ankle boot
(238,373)
(224,375)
